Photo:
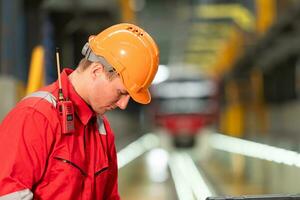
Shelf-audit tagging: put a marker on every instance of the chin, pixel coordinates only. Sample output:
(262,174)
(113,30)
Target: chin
(101,112)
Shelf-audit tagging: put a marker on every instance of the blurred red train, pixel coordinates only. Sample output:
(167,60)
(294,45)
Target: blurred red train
(184,106)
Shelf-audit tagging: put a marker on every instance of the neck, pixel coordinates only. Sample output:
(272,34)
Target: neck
(77,80)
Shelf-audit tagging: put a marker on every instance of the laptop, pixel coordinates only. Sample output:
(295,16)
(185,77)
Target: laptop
(257,197)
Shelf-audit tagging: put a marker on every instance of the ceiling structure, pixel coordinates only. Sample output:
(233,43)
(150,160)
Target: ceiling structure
(188,32)
(275,49)
(196,32)
(215,36)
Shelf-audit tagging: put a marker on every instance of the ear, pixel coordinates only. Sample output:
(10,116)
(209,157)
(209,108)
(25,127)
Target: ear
(96,69)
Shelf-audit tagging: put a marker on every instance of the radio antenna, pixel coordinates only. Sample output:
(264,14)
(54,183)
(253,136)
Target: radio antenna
(60,93)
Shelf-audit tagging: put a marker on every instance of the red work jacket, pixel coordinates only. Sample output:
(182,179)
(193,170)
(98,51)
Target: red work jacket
(36,155)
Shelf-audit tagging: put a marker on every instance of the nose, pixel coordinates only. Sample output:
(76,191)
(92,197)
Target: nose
(123,101)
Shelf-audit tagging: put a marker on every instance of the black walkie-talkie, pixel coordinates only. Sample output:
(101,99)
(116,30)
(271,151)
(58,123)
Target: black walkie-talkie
(64,106)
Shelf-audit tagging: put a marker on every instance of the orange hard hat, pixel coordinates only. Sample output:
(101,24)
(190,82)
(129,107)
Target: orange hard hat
(133,54)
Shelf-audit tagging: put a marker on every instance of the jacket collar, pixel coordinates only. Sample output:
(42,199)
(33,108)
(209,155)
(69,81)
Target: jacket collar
(82,109)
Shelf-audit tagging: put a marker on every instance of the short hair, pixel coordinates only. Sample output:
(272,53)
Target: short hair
(109,70)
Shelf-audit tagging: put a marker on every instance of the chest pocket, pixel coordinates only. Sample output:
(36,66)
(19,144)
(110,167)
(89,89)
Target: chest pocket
(71,158)
(67,166)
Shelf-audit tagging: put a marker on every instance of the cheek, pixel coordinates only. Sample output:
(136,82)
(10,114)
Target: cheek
(109,97)
(101,96)
(95,95)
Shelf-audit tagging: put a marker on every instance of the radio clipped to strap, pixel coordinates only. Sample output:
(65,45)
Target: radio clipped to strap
(65,106)
(66,113)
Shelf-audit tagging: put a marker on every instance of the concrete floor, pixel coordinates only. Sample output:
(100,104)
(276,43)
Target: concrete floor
(227,173)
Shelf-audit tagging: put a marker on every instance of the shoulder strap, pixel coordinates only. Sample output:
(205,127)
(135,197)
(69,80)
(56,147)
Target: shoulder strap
(43,95)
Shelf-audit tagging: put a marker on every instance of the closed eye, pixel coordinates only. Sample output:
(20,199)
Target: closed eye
(123,93)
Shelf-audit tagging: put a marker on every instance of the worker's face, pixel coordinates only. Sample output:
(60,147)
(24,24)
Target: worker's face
(105,94)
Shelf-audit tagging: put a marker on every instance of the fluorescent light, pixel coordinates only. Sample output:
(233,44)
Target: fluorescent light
(186,89)
(183,190)
(189,182)
(254,149)
(162,74)
(137,148)
(157,164)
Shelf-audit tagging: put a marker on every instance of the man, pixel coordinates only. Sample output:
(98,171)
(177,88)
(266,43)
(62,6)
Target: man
(38,160)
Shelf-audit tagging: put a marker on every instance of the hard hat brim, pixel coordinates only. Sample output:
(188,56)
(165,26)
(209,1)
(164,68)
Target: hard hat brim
(142,97)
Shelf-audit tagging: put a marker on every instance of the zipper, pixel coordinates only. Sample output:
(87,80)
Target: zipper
(70,163)
(84,136)
(101,170)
